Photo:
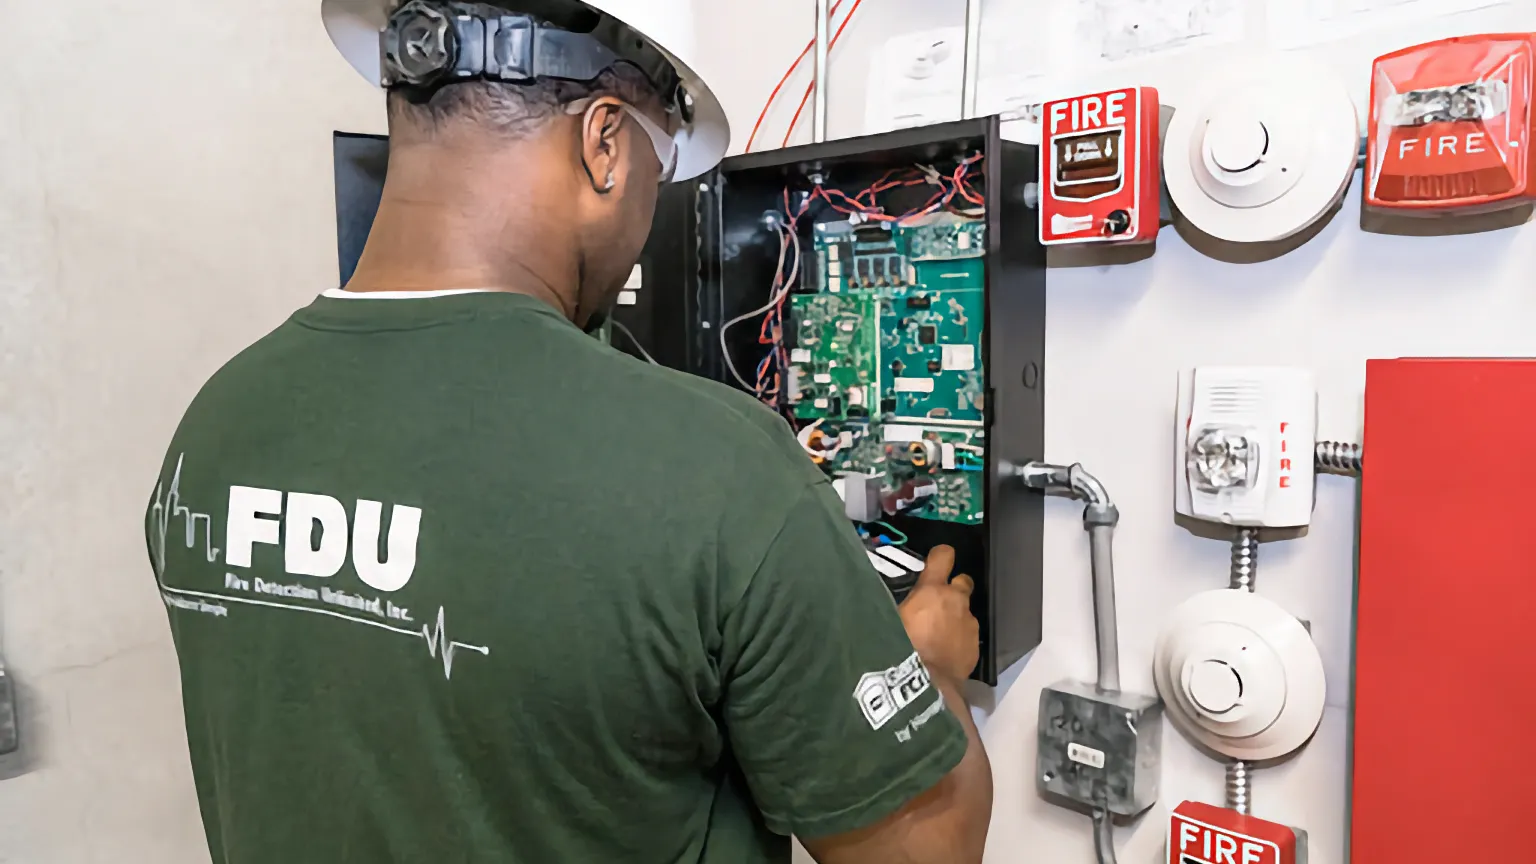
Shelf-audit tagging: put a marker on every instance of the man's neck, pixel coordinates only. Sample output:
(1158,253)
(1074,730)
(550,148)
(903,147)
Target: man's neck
(430,236)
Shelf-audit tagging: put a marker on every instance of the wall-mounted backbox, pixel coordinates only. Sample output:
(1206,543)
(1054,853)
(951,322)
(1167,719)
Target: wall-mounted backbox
(711,257)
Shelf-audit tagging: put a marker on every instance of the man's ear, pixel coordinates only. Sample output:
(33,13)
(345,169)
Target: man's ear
(601,144)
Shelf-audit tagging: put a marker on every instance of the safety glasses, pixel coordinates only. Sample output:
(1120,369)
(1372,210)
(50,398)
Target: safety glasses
(665,145)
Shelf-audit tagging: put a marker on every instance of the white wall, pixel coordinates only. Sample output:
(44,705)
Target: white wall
(1116,337)
(165,197)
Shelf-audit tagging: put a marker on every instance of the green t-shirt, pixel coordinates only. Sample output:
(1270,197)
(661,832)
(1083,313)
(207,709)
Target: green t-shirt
(451,581)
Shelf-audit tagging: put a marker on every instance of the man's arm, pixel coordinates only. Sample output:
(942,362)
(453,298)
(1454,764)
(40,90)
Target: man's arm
(948,823)
(845,713)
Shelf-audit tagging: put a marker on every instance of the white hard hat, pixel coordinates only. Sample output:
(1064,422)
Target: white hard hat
(355,26)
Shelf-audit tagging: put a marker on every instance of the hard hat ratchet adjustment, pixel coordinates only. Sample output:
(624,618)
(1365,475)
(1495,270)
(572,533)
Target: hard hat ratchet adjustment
(420,45)
(430,43)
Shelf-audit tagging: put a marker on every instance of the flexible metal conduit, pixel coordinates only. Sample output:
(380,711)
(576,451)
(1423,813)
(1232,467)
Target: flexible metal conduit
(1332,457)
(1245,571)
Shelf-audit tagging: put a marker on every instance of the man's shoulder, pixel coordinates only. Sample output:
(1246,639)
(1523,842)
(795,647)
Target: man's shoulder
(715,417)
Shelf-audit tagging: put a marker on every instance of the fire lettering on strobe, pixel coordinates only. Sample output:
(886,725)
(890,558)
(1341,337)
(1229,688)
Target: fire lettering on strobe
(1443,145)
(1285,460)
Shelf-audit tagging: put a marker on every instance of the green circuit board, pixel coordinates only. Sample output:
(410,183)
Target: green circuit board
(836,355)
(887,359)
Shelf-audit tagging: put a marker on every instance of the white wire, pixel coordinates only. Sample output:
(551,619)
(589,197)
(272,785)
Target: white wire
(794,271)
(776,293)
(804,437)
(619,326)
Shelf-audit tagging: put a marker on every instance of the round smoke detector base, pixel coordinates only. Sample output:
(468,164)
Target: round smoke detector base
(1240,675)
(1261,154)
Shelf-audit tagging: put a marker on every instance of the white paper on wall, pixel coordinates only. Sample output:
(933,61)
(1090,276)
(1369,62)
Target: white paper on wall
(915,79)
(1303,23)
(1107,32)
(1016,98)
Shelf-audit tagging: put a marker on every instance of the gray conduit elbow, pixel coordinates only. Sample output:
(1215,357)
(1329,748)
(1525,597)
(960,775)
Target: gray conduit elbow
(1099,518)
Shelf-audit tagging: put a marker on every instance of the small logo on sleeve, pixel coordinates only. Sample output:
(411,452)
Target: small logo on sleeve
(883,695)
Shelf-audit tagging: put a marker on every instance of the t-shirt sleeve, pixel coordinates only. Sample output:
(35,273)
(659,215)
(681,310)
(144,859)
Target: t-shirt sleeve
(829,711)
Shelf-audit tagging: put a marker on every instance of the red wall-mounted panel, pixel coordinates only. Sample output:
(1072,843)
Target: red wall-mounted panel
(1444,745)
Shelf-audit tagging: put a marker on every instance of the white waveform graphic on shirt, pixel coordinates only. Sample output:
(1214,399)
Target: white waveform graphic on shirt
(438,643)
(167,506)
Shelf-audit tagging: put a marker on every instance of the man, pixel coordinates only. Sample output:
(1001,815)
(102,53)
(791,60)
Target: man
(451,581)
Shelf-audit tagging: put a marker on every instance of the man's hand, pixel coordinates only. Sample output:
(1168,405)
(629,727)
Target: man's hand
(937,615)
(948,823)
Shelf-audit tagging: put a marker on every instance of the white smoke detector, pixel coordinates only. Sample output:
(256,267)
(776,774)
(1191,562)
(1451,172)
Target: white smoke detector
(1263,151)
(1240,675)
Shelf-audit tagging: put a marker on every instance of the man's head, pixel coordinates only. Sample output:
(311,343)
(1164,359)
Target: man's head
(583,158)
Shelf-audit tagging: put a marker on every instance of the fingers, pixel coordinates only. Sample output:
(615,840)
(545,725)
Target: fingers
(941,560)
(964,584)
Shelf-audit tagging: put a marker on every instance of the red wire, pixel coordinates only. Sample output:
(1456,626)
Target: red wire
(811,86)
(772,97)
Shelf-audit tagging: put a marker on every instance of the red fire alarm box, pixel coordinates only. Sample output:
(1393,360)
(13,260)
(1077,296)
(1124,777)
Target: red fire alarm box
(1445,614)
(1205,834)
(1450,126)
(1099,172)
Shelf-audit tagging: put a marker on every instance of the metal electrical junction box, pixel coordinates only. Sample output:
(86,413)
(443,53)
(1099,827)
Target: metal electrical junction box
(886,296)
(1100,749)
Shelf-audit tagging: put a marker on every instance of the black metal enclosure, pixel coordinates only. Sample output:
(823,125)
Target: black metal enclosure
(710,258)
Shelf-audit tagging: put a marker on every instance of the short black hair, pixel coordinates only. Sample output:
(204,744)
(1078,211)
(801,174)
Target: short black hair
(512,109)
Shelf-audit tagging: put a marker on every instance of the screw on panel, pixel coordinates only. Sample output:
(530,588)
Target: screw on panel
(1032,195)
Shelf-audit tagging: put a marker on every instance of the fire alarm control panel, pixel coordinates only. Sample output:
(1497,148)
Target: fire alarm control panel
(1450,126)
(1100,175)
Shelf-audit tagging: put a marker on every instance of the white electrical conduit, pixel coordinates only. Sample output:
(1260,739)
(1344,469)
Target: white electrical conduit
(823,45)
(971,82)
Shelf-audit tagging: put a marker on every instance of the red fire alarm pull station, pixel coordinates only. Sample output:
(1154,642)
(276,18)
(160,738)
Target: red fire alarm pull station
(1450,127)
(1205,834)
(1100,178)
